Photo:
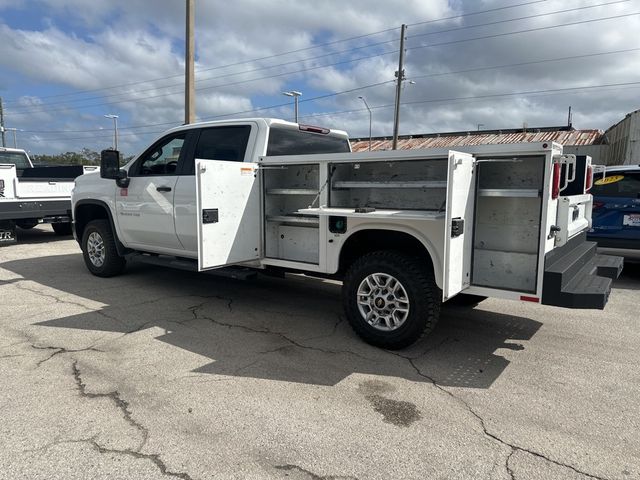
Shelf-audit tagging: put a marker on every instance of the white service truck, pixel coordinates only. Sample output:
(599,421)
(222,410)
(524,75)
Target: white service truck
(31,195)
(403,230)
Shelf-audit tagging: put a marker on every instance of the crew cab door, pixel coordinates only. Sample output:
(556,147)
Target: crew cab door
(458,234)
(228,209)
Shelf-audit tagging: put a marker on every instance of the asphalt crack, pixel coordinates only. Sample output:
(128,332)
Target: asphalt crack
(312,475)
(513,447)
(114,396)
(152,457)
(196,316)
(61,350)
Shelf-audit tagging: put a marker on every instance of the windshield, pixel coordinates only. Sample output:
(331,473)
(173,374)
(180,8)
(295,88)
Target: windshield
(19,159)
(287,141)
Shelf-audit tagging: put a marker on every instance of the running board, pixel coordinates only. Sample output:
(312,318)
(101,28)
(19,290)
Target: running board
(187,264)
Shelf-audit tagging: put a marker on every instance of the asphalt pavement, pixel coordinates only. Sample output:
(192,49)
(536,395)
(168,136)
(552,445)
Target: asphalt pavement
(161,373)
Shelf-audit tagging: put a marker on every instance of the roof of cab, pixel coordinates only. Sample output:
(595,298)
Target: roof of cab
(265,120)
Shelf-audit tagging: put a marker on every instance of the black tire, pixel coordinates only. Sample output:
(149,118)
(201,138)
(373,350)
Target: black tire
(424,298)
(113,264)
(465,300)
(62,229)
(27,223)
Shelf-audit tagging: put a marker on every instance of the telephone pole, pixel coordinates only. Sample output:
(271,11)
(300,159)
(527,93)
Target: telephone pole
(2,123)
(189,88)
(400,77)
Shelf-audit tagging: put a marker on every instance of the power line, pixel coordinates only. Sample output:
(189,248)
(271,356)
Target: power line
(576,89)
(529,30)
(528,17)
(294,51)
(319,97)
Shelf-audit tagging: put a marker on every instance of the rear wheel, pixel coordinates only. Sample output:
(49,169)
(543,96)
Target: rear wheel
(62,229)
(99,250)
(391,299)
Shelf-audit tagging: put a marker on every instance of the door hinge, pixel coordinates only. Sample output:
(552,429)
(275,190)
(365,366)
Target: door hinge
(457,226)
(210,215)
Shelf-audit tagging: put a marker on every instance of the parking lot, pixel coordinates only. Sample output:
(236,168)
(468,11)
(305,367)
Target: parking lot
(170,374)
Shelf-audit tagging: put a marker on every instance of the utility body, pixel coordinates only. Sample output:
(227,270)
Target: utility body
(31,195)
(404,230)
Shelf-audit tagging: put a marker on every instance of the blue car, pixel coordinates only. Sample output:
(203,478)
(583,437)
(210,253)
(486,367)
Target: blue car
(616,212)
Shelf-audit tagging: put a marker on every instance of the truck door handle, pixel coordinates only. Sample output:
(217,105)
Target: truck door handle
(163,189)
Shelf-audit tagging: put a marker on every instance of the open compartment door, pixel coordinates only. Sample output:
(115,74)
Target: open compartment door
(228,209)
(458,233)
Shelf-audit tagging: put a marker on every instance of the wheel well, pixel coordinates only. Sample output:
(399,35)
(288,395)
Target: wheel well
(85,213)
(367,241)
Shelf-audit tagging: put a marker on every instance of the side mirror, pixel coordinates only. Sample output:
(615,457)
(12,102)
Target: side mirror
(110,168)
(109,164)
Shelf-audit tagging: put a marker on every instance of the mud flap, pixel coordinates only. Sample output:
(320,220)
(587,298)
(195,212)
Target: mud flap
(7,233)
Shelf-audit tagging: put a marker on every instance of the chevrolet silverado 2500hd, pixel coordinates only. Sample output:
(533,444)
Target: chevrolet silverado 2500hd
(403,230)
(30,195)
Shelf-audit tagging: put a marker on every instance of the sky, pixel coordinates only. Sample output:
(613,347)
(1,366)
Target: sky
(469,64)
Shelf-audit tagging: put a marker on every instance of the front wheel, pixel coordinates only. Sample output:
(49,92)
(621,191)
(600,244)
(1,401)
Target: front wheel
(391,299)
(99,250)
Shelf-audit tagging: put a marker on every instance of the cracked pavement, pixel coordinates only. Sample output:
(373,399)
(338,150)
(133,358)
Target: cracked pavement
(167,374)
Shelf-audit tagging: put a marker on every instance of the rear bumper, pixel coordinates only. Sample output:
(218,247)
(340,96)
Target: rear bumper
(19,209)
(575,276)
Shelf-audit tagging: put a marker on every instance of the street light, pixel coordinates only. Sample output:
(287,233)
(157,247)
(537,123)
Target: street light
(115,129)
(15,139)
(295,96)
(370,117)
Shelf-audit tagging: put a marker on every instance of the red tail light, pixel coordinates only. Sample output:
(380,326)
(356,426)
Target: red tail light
(555,186)
(588,182)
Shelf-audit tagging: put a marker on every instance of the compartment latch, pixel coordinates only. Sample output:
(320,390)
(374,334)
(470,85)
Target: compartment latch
(210,215)
(457,226)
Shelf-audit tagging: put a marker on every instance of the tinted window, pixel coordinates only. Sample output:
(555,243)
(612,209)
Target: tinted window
(222,143)
(163,158)
(19,159)
(627,186)
(286,141)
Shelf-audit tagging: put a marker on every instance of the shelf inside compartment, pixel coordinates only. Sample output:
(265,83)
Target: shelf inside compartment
(509,192)
(339,184)
(297,219)
(291,191)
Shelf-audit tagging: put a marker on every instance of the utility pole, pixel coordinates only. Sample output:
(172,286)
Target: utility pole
(189,88)
(2,123)
(400,77)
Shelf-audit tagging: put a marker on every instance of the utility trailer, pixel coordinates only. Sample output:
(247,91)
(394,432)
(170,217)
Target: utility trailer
(490,221)
(31,195)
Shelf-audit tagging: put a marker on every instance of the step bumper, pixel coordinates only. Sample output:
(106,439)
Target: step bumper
(578,277)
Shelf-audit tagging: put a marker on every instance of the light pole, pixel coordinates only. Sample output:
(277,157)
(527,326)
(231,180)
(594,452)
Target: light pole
(15,139)
(370,118)
(115,129)
(295,96)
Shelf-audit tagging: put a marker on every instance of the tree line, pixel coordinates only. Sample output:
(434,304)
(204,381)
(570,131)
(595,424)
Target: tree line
(84,157)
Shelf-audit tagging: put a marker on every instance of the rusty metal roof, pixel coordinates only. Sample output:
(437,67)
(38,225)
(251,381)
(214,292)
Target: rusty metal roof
(563,135)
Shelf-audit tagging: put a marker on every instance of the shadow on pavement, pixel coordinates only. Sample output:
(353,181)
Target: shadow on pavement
(39,234)
(280,329)
(630,277)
